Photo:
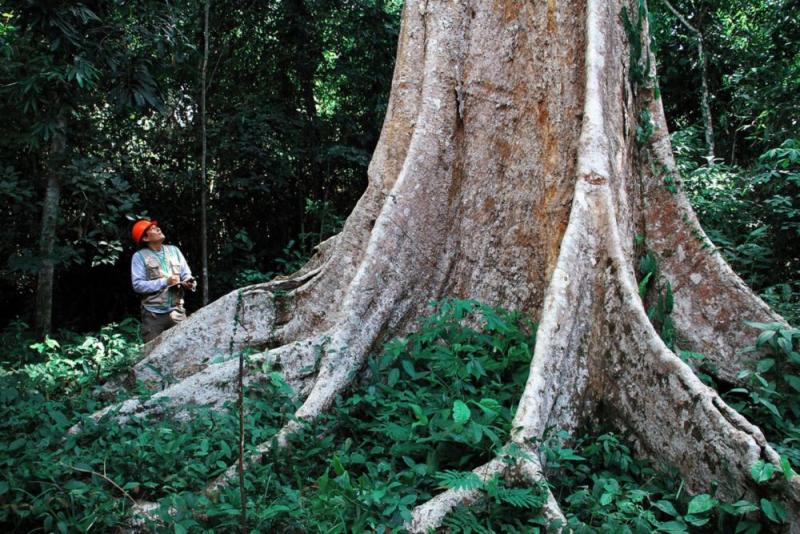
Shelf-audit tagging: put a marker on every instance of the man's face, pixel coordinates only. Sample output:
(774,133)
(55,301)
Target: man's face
(153,235)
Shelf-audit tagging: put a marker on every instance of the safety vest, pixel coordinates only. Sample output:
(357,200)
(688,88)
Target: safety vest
(157,267)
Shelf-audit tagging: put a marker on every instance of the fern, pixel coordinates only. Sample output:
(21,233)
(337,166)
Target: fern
(457,480)
(519,497)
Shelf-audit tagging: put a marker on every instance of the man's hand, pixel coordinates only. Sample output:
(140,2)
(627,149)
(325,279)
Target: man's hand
(189,284)
(172,280)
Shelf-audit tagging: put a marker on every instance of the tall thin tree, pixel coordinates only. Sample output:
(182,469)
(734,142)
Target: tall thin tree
(47,234)
(204,157)
(702,60)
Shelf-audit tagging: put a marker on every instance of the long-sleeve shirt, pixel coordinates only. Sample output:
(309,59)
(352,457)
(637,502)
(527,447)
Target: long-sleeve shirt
(143,285)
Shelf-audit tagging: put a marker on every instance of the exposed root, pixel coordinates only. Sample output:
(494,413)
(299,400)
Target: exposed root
(322,253)
(676,417)
(711,301)
(377,298)
(531,470)
(336,372)
(216,384)
(431,514)
(561,337)
(563,333)
(278,441)
(141,513)
(206,336)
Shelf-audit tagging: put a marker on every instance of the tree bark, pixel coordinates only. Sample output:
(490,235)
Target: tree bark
(47,235)
(509,171)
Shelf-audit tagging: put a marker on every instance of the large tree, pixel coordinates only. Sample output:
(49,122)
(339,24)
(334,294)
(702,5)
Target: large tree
(524,162)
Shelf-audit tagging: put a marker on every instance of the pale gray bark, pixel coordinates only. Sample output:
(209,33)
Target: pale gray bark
(508,171)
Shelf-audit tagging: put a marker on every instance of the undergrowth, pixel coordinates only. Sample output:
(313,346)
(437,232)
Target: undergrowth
(429,408)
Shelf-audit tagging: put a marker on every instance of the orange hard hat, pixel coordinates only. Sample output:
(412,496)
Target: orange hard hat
(139,228)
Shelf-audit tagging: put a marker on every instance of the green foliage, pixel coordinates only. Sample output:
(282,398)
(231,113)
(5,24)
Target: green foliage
(644,128)
(430,408)
(639,69)
(657,290)
(296,100)
(604,487)
(419,414)
(752,215)
(504,508)
(70,367)
(753,72)
(771,394)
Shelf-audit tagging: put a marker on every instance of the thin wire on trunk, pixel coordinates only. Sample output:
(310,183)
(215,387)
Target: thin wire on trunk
(238,321)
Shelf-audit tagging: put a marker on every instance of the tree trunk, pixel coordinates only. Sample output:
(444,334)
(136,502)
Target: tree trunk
(203,159)
(47,235)
(509,171)
(705,99)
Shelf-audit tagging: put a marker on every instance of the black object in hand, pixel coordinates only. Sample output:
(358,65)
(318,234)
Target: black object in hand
(191,280)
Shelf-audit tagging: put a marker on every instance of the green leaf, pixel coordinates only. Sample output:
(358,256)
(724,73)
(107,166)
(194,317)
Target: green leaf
(672,526)
(461,412)
(774,511)
(740,507)
(75,485)
(59,418)
(793,381)
(764,336)
(763,326)
(648,264)
(643,285)
(666,507)
(226,449)
(408,367)
(337,465)
(788,472)
(519,497)
(394,376)
(765,365)
(420,415)
(668,299)
(700,504)
(489,405)
(696,521)
(762,471)
(769,406)
(452,479)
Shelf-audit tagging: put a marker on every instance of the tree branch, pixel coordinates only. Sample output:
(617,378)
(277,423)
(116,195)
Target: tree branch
(104,477)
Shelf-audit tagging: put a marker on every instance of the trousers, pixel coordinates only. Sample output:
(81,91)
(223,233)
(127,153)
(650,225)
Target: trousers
(154,324)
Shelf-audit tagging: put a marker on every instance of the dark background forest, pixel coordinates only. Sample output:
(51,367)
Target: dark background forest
(296,94)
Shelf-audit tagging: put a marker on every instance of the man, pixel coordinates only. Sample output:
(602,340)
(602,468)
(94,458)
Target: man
(159,273)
